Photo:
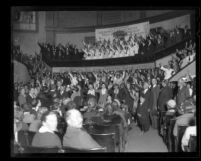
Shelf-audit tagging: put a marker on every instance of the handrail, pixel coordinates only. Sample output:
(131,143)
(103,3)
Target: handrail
(117,61)
(182,69)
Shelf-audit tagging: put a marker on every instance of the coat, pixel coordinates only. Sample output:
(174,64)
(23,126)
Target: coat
(182,95)
(164,96)
(143,111)
(79,138)
(46,139)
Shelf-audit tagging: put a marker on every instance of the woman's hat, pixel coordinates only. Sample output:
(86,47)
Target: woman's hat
(171,103)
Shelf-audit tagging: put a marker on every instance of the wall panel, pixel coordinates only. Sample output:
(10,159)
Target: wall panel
(77,18)
(28,40)
(74,38)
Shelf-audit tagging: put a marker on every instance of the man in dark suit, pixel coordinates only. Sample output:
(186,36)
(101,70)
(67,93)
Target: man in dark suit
(153,108)
(164,96)
(144,108)
(183,92)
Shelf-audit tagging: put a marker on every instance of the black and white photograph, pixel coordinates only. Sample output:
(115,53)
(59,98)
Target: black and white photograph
(103,81)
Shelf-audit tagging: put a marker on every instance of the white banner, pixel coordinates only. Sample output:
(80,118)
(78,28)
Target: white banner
(138,29)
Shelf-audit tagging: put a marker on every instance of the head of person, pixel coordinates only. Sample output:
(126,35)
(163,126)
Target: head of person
(109,99)
(118,75)
(164,83)
(31,91)
(66,100)
(128,85)
(91,102)
(171,104)
(188,84)
(154,81)
(181,83)
(41,111)
(145,85)
(116,86)
(108,110)
(22,91)
(116,105)
(71,105)
(49,120)
(103,86)
(90,86)
(74,118)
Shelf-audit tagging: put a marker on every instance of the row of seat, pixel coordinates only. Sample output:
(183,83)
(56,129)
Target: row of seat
(174,143)
(106,135)
(19,150)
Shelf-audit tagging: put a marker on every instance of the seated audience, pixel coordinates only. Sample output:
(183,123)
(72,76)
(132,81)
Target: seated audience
(46,137)
(36,123)
(190,131)
(75,136)
(186,118)
(171,107)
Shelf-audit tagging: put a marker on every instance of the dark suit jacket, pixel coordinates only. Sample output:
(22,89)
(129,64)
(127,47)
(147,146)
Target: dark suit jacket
(78,138)
(46,139)
(182,95)
(148,100)
(29,99)
(164,96)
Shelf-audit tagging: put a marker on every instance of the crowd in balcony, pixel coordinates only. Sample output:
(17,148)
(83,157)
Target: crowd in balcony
(61,52)
(181,58)
(129,45)
(34,63)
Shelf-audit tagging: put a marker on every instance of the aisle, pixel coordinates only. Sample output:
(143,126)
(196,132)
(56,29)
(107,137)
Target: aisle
(149,142)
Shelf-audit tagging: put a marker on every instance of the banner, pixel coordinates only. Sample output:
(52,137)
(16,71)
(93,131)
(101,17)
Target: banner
(108,33)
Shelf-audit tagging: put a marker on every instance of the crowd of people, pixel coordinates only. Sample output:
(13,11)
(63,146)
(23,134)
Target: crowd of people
(74,98)
(34,63)
(61,52)
(130,45)
(56,106)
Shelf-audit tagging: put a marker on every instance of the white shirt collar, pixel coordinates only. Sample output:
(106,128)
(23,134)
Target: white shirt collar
(145,91)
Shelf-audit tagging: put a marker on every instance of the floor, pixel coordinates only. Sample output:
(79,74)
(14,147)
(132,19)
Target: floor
(149,142)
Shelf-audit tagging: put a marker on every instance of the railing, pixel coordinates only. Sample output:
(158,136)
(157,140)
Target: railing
(137,59)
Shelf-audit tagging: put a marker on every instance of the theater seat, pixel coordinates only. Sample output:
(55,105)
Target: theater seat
(192,145)
(181,130)
(30,135)
(170,139)
(105,140)
(23,138)
(76,150)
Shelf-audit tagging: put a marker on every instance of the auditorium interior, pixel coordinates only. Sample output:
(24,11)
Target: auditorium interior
(104,81)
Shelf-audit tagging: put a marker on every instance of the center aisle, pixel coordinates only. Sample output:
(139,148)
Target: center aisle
(149,142)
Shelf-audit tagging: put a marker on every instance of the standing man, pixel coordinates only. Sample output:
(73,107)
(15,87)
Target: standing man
(144,108)
(155,89)
(164,96)
(183,92)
